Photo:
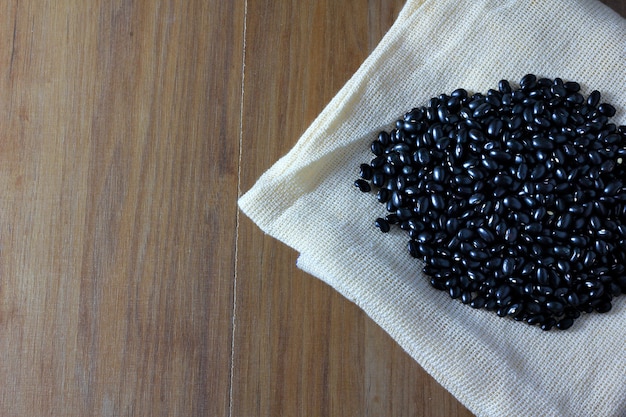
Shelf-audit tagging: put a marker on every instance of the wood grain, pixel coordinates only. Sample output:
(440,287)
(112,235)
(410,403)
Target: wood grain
(130,285)
(119,156)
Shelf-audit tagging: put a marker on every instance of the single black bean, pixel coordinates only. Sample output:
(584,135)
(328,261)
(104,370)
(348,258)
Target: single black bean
(606,109)
(538,172)
(465,234)
(487,235)
(512,203)
(476,135)
(528,82)
(511,235)
(478,255)
(565,323)
(363,185)
(437,201)
(594,98)
(382,224)
(366,172)
(504,86)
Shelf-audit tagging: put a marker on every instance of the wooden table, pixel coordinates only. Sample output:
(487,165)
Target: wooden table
(129,282)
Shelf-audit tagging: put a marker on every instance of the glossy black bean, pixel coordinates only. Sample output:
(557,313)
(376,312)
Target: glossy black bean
(489,164)
(606,109)
(476,135)
(437,201)
(511,235)
(382,224)
(383,195)
(482,110)
(528,82)
(564,221)
(422,156)
(478,255)
(439,174)
(366,171)
(476,198)
(465,234)
(508,266)
(565,323)
(563,251)
(575,98)
(504,86)
(377,148)
(397,199)
(572,86)
(534,228)
(494,129)
(362,185)
(486,234)
(464,189)
(594,98)
(384,138)
(542,143)
(538,172)
(512,203)
(413,248)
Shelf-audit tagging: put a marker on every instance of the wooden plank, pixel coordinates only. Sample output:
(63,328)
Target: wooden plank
(618,5)
(119,152)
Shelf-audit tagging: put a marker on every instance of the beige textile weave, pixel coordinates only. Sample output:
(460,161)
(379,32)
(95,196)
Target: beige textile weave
(495,366)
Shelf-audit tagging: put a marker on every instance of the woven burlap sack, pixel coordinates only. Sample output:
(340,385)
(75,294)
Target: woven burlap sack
(495,366)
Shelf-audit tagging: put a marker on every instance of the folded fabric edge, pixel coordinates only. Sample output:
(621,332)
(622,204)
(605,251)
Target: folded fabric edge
(249,200)
(478,402)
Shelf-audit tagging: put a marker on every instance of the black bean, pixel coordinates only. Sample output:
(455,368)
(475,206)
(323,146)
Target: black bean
(594,98)
(538,172)
(606,109)
(564,221)
(476,135)
(465,234)
(504,86)
(565,323)
(486,234)
(366,172)
(494,129)
(542,143)
(575,98)
(604,307)
(515,186)
(413,248)
(482,110)
(478,255)
(508,266)
(363,185)
(382,224)
(422,156)
(439,174)
(511,235)
(437,202)
(512,203)
(528,82)
(476,198)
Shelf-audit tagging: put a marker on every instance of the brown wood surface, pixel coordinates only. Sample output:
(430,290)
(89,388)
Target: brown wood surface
(129,282)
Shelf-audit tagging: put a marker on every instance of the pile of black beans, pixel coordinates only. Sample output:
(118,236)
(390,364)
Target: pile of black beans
(514,199)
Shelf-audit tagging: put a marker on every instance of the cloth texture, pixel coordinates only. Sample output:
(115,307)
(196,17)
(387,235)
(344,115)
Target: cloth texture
(494,366)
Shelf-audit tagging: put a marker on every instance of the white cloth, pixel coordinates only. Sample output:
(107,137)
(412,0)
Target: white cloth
(495,366)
